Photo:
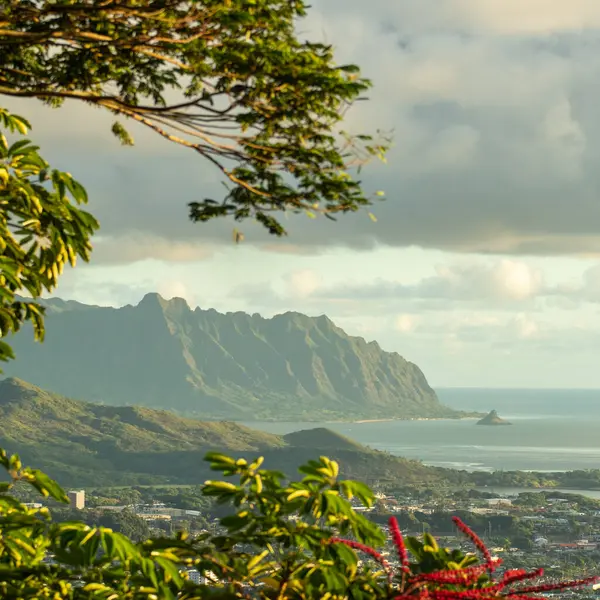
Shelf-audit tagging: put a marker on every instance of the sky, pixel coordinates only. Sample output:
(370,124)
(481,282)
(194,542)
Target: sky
(484,264)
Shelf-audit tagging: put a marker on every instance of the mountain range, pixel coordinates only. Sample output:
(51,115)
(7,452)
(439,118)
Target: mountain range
(234,366)
(85,444)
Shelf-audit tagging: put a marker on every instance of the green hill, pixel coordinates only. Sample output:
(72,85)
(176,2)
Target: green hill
(84,444)
(320,437)
(209,365)
(29,415)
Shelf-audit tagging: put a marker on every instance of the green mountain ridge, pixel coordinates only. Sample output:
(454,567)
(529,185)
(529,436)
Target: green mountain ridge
(321,437)
(29,414)
(85,444)
(235,366)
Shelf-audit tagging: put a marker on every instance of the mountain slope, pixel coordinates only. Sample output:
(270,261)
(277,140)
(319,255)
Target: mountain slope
(29,415)
(320,437)
(236,366)
(84,444)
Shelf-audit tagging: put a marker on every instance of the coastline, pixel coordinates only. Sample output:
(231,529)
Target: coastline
(410,419)
(355,422)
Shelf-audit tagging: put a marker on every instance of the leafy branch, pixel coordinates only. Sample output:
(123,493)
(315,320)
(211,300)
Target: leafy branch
(228,80)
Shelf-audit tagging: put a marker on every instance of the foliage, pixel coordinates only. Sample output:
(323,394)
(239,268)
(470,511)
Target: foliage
(588,479)
(230,80)
(285,539)
(41,228)
(125,521)
(443,574)
(29,414)
(84,444)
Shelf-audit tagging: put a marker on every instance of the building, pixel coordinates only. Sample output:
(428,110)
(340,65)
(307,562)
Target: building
(199,579)
(499,502)
(77,499)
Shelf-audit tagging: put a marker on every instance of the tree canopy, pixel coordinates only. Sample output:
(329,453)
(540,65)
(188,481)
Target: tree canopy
(282,539)
(228,79)
(41,228)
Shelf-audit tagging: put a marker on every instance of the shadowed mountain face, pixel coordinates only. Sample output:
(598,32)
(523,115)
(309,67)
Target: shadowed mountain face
(237,366)
(83,444)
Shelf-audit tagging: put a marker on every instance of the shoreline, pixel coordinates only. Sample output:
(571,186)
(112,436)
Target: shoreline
(359,421)
(410,419)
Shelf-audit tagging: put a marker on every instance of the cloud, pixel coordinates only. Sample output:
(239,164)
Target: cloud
(137,246)
(303,283)
(496,142)
(497,136)
(591,284)
(86,289)
(578,292)
(496,329)
(406,323)
(506,282)
(534,17)
(174,288)
(484,286)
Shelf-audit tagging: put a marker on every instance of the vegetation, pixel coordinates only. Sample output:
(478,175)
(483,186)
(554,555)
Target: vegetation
(29,414)
(124,522)
(235,64)
(575,480)
(221,366)
(87,444)
(41,228)
(231,81)
(294,539)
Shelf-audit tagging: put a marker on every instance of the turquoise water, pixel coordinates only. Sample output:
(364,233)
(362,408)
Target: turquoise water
(553,430)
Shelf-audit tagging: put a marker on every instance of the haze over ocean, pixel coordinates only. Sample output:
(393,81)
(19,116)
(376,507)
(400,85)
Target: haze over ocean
(553,430)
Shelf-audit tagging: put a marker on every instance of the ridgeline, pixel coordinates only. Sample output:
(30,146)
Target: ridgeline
(235,366)
(84,444)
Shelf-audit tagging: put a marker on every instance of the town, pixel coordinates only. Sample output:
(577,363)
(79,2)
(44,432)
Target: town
(557,531)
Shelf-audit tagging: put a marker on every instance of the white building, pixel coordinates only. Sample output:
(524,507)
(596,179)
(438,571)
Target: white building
(77,499)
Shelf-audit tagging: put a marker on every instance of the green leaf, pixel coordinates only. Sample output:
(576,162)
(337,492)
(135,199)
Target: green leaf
(170,570)
(108,542)
(20,145)
(47,486)
(219,459)
(149,570)
(19,124)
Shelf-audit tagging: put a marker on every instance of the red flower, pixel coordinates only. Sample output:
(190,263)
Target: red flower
(477,541)
(460,584)
(554,587)
(461,576)
(399,543)
(367,550)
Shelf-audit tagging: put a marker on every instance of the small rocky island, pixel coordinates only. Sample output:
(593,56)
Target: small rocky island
(492,419)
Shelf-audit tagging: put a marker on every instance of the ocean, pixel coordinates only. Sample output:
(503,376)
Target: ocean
(553,430)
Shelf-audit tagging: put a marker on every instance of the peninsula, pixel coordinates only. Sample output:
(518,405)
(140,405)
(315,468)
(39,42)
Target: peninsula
(162,354)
